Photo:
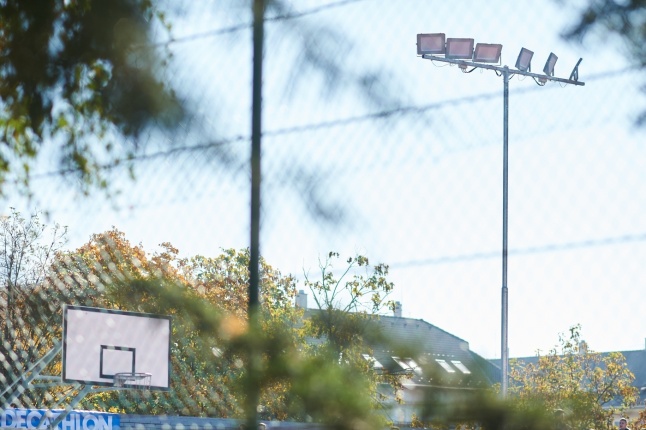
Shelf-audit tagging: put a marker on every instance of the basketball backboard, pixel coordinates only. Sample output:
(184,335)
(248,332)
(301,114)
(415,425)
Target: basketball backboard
(99,343)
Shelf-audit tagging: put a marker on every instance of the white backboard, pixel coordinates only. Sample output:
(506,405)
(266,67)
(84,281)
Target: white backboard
(98,343)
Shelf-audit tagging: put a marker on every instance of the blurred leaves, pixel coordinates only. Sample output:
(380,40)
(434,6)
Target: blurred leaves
(80,74)
(624,21)
(323,53)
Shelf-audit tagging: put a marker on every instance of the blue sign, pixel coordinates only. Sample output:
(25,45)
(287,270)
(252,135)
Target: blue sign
(74,420)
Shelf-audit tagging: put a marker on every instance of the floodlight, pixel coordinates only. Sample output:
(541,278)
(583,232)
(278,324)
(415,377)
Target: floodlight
(549,64)
(487,53)
(459,48)
(524,61)
(574,76)
(433,44)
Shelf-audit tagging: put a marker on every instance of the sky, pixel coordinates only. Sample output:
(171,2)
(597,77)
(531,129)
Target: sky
(419,189)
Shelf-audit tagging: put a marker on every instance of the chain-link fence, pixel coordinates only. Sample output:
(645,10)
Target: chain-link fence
(369,150)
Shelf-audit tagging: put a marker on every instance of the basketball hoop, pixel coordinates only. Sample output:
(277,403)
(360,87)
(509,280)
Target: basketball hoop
(134,380)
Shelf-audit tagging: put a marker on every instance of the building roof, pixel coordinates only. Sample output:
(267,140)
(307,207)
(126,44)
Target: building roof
(441,359)
(445,358)
(636,361)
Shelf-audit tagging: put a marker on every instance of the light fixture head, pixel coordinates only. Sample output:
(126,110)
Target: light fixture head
(524,61)
(487,53)
(574,76)
(431,43)
(549,64)
(459,49)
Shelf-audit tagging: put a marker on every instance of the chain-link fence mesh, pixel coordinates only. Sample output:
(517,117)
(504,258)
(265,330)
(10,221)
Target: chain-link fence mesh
(366,149)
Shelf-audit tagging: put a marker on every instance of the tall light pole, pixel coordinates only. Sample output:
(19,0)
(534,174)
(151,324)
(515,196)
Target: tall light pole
(436,47)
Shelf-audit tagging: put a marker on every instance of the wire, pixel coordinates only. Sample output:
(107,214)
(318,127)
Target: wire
(435,63)
(247,26)
(120,162)
(404,110)
(607,241)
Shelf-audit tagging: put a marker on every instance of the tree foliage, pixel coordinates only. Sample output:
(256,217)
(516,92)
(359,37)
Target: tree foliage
(311,369)
(77,74)
(28,247)
(344,323)
(640,421)
(207,299)
(346,305)
(573,378)
(205,370)
(622,21)
(360,288)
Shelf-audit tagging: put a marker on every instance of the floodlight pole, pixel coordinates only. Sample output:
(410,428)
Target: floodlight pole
(504,350)
(506,74)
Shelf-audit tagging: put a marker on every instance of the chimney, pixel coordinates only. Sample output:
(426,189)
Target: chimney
(398,310)
(301,299)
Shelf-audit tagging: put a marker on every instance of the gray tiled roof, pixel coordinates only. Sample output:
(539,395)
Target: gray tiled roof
(636,361)
(432,344)
(436,344)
